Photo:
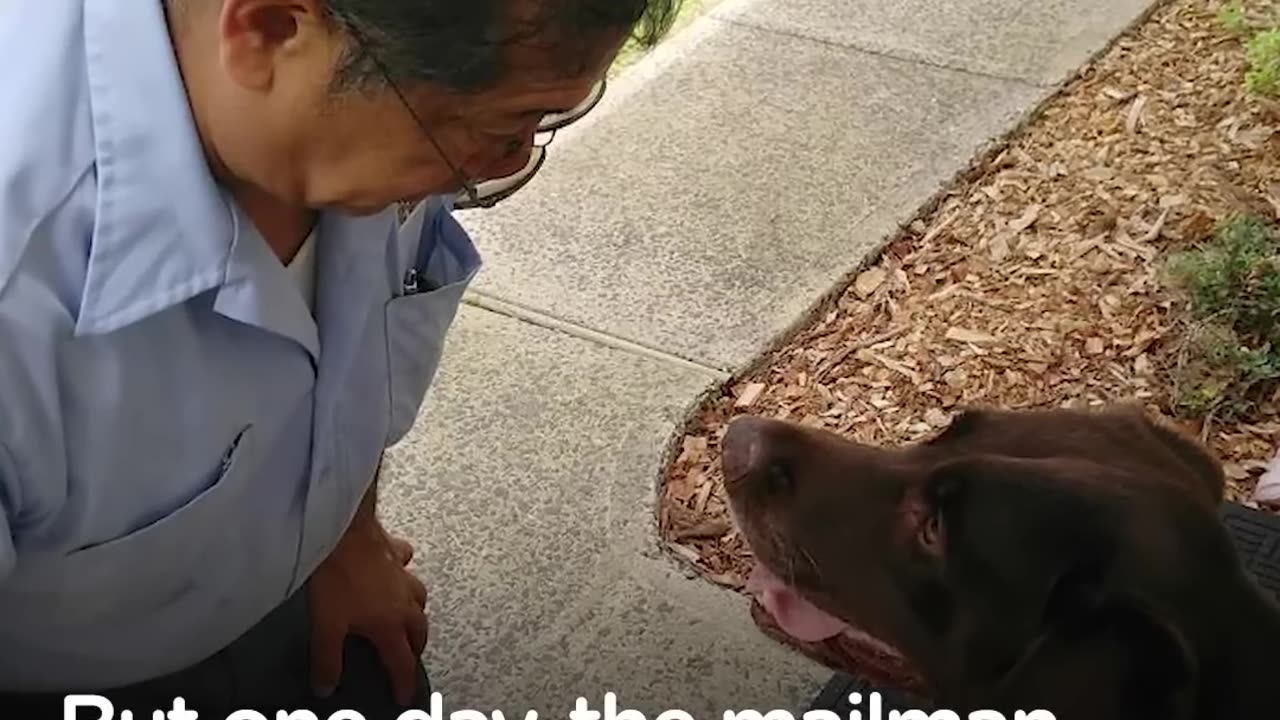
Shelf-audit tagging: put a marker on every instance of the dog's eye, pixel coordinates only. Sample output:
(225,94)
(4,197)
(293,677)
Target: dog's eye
(779,480)
(942,494)
(931,531)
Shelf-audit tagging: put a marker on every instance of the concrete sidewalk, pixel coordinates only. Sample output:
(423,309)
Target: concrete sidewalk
(727,182)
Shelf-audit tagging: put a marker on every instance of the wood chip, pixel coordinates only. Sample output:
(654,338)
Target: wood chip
(938,229)
(685,552)
(692,449)
(703,494)
(1156,229)
(870,281)
(1135,114)
(897,367)
(999,248)
(1235,471)
(750,394)
(1027,219)
(1099,174)
(965,335)
(729,580)
(1118,95)
(853,348)
(710,528)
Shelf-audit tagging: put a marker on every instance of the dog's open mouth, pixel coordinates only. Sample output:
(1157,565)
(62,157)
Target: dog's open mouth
(791,612)
(800,618)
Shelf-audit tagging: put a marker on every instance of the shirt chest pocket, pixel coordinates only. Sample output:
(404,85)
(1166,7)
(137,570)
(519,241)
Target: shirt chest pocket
(418,320)
(182,552)
(416,327)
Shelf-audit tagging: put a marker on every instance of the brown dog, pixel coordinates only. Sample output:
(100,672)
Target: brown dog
(1057,560)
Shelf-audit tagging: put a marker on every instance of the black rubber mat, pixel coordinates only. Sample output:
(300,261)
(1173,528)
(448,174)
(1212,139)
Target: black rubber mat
(835,696)
(1257,538)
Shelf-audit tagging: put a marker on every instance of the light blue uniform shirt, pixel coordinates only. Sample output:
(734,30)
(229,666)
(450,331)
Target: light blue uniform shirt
(181,441)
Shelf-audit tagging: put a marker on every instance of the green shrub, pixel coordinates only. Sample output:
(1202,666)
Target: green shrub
(1263,76)
(1233,18)
(1232,284)
(1261,34)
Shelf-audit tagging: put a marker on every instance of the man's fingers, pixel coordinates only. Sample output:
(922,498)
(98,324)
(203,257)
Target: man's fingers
(400,661)
(419,628)
(417,624)
(327,640)
(400,549)
(418,590)
(403,550)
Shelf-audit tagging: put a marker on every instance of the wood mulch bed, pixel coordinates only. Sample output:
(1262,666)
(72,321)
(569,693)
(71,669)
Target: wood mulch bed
(1035,281)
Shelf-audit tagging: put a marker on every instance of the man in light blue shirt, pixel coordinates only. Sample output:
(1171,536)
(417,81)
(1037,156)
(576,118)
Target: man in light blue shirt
(212,323)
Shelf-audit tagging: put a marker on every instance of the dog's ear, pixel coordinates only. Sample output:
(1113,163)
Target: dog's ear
(1202,472)
(965,423)
(1206,469)
(1102,657)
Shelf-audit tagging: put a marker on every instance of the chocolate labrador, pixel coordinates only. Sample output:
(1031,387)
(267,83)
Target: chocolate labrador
(1054,560)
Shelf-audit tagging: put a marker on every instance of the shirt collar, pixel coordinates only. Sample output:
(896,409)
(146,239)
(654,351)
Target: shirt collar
(163,231)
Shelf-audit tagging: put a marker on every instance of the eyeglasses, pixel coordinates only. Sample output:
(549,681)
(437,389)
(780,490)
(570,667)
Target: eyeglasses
(489,192)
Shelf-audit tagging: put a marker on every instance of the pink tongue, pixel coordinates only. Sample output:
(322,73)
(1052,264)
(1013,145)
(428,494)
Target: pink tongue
(799,618)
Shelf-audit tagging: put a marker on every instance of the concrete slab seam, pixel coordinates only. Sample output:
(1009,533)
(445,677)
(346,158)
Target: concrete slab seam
(516,311)
(882,53)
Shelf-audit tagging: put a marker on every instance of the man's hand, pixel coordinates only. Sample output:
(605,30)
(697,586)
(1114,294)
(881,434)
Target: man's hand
(364,588)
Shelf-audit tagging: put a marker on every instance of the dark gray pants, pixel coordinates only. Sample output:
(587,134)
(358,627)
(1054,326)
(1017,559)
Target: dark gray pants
(268,669)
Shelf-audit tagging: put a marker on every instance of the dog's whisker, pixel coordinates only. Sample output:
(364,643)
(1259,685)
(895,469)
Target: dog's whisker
(777,540)
(791,566)
(813,565)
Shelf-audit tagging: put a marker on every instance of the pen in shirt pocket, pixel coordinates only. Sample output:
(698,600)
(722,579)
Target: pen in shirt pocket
(417,281)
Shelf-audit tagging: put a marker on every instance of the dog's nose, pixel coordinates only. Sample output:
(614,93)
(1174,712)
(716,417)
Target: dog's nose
(748,456)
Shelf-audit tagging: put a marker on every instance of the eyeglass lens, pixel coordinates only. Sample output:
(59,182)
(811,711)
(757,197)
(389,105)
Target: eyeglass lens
(488,193)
